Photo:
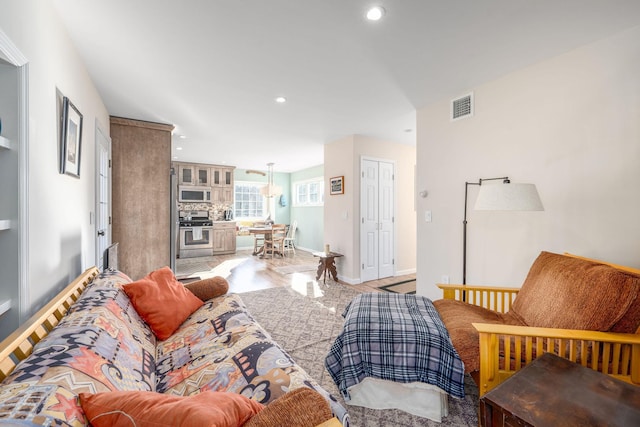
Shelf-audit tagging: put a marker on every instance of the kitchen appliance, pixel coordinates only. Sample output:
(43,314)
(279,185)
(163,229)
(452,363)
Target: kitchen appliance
(195,234)
(228,215)
(173,220)
(194,194)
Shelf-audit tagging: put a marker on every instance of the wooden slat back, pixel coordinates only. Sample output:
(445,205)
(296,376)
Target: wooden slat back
(614,354)
(19,345)
(493,298)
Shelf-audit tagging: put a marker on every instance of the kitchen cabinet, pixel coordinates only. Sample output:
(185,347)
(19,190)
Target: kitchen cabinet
(219,178)
(222,176)
(222,181)
(222,195)
(190,174)
(224,238)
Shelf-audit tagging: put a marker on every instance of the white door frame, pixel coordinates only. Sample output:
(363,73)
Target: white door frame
(13,55)
(102,193)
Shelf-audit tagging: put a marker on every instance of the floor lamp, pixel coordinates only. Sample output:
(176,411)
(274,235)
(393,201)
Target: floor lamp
(505,197)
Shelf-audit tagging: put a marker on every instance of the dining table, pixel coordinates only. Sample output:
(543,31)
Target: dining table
(260,231)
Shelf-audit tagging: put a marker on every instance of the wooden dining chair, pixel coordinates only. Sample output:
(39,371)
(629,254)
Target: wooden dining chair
(274,242)
(258,239)
(290,240)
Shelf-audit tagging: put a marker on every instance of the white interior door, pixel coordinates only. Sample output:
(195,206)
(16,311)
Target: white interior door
(377,219)
(103,195)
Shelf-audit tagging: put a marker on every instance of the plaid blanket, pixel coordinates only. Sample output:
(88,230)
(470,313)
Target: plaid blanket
(395,337)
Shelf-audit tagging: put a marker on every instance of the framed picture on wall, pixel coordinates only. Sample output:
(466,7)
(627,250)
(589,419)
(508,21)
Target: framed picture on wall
(336,185)
(71,141)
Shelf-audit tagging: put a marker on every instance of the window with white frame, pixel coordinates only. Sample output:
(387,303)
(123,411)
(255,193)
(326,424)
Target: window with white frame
(309,192)
(249,203)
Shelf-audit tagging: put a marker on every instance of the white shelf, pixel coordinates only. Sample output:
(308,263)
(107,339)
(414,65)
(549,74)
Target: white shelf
(5,224)
(4,306)
(5,143)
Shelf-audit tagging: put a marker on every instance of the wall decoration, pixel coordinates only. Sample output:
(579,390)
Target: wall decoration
(336,185)
(71,141)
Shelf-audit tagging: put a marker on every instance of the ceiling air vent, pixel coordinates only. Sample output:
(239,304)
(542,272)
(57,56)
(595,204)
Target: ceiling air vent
(462,107)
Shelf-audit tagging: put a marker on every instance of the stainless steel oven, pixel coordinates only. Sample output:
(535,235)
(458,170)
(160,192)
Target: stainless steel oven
(195,234)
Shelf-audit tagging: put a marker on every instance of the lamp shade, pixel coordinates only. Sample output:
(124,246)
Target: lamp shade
(508,197)
(271,190)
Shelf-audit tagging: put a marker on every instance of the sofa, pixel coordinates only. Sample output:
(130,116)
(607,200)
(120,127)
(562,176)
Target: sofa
(581,309)
(95,353)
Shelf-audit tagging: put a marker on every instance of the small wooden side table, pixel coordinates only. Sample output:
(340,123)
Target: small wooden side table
(552,391)
(327,263)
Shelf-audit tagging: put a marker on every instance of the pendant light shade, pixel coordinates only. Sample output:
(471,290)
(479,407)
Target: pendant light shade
(270,190)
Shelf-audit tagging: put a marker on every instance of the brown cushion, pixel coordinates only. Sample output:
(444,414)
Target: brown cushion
(301,407)
(573,293)
(211,287)
(149,409)
(457,317)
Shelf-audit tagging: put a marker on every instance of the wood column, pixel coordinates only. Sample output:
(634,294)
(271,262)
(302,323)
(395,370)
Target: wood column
(141,207)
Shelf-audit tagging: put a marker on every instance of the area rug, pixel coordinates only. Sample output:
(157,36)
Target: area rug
(290,269)
(307,321)
(404,287)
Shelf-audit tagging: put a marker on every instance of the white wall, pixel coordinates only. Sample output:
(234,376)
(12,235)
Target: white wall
(342,212)
(61,237)
(571,125)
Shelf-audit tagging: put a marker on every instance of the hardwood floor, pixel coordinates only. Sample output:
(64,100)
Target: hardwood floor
(246,272)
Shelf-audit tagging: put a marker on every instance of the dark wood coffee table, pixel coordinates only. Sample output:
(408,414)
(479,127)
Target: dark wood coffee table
(552,391)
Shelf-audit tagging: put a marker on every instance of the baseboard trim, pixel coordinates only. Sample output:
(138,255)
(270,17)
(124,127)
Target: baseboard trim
(405,272)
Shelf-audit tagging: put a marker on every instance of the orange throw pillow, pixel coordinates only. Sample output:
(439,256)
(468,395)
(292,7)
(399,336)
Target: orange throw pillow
(149,409)
(162,301)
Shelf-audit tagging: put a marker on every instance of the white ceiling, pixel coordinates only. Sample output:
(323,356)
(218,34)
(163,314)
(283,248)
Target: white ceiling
(213,68)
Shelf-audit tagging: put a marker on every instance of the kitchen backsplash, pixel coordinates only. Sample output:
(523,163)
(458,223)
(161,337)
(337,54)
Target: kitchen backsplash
(216,210)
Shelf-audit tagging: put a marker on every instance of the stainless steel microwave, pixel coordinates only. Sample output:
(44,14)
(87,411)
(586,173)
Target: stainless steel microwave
(193,194)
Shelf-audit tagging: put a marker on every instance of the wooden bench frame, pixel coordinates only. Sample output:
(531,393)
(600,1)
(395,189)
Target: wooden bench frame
(19,345)
(611,353)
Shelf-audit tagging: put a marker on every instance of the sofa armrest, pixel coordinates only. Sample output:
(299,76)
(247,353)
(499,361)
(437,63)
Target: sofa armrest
(494,298)
(505,349)
(333,422)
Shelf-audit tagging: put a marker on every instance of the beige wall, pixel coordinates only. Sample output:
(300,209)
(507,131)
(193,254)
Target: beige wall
(342,212)
(571,125)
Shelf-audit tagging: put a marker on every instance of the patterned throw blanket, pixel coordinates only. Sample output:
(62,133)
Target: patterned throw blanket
(395,337)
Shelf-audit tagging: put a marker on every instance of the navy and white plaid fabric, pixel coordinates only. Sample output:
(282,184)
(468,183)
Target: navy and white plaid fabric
(395,337)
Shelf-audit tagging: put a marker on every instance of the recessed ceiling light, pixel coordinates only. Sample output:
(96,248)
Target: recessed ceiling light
(375,13)
(175,157)
(182,137)
(281,100)
(178,148)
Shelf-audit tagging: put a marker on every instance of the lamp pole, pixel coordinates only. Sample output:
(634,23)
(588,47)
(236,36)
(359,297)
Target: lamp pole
(505,180)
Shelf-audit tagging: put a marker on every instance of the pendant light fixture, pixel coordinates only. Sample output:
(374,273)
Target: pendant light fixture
(270,190)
